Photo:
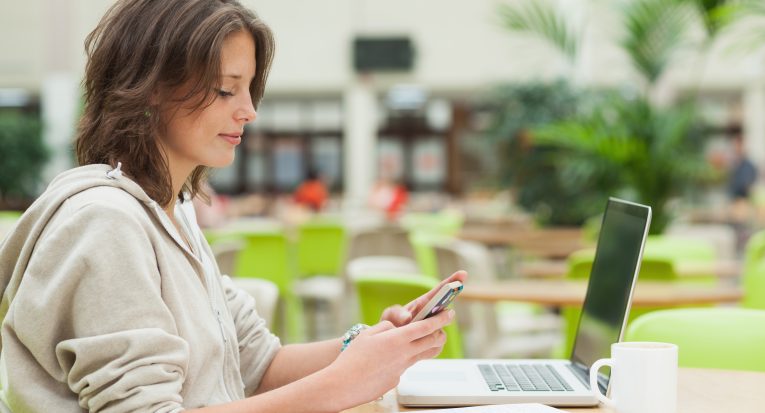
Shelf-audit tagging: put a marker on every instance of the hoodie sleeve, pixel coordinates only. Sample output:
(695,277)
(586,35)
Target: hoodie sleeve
(257,346)
(94,316)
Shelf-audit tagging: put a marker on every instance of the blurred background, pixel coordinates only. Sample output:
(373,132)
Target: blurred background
(441,134)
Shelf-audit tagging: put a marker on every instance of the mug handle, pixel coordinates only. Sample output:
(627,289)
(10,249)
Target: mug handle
(594,380)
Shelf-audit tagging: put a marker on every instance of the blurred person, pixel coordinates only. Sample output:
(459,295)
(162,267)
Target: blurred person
(743,173)
(212,212)
(743,176)
(111,298)
(312,192)
(390,197)
(218,209)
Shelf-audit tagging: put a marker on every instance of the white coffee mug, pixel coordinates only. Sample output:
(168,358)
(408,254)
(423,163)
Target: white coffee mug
(643,377)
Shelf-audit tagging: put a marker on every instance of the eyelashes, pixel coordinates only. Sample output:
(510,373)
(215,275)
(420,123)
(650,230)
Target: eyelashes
(224,93)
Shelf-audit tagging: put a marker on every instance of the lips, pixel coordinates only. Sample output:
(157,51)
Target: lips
(232,138)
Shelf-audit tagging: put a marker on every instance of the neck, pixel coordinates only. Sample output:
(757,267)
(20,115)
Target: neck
(178,176)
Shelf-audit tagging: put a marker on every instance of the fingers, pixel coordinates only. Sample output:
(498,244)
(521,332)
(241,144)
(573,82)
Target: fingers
(415,306)
(434,340)
(413,331)
(427,354)
(384,325)
(397,315)
(460,276)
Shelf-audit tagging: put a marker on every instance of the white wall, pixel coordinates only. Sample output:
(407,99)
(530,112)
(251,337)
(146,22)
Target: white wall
(460,47)
(460,44)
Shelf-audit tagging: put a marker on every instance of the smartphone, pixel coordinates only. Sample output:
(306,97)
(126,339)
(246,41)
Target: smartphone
(440,301)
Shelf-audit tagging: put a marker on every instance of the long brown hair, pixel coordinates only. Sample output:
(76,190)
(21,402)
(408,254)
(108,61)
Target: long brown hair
(144,49)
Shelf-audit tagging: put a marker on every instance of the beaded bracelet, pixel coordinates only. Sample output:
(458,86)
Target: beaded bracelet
(352,333)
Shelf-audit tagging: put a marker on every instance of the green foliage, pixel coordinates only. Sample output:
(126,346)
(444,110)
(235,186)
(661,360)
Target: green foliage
(653,31)
(612,143)
(556,197)
(22,154)
(750,37)
(540,18)
(650,154)
(712,14)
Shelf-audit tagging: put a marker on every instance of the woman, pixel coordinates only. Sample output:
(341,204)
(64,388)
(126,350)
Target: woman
(111,300)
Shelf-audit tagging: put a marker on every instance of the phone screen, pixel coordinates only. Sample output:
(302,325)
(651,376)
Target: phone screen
(444,301)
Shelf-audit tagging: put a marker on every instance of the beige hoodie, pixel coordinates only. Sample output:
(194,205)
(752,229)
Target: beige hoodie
(105,309)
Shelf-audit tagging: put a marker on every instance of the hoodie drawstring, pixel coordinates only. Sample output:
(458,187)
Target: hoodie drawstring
(116,172)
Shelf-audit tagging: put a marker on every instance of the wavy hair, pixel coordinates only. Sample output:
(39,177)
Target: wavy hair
(143,50)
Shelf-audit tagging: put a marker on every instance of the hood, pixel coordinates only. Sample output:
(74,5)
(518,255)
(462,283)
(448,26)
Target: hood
(17,248)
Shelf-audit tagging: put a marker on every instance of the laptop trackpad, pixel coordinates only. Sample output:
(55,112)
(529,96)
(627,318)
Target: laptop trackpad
(431,376)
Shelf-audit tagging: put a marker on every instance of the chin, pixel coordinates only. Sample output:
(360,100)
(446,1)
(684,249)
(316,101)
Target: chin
(220,162)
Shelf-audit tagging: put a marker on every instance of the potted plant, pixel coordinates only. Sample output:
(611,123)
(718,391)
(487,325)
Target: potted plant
(22,157)
(626,142)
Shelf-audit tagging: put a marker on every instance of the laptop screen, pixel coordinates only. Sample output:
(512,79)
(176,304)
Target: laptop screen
(605,306)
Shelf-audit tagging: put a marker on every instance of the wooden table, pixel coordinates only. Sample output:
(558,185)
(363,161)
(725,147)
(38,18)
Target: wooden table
(699,391)
(558,269)
(547,242)
(571,292)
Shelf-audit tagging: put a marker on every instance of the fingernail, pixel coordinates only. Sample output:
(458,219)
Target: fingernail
(451,314)
(404,314)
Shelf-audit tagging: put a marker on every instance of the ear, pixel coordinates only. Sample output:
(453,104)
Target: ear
(155,98)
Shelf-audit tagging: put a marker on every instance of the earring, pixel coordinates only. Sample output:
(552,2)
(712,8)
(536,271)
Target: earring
(147,113)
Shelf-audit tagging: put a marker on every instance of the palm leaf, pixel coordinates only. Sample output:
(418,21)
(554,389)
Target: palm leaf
(538,17)
(752,35)
(712,14)
(655,29)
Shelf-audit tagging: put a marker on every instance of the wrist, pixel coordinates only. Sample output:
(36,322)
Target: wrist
(351,334)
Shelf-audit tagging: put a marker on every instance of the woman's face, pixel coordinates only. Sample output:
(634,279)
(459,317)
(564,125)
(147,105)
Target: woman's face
(208,136)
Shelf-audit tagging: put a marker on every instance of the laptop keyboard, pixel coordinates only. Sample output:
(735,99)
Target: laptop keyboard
(523,377)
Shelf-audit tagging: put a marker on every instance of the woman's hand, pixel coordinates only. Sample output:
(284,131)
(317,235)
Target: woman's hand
(399,316)
(375,360)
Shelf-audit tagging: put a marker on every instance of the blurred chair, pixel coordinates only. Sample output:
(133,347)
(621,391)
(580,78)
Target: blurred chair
(676,249)
(428,230)
(656,268)
(373,264)
(721,338)
(226,252)
(382,240)
(265,293)
(10,215)
(444,222)
(321,247)
(378,291)
(267,255)
(424,244)
(753,275)
(499,330)
(380,263)
(721,237)
(8,220)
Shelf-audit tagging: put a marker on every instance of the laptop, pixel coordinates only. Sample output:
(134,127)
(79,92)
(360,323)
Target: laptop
(469,382)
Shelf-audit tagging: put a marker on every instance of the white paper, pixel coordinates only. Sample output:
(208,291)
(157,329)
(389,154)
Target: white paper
(500,408)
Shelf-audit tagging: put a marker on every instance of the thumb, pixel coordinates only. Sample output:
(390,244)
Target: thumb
(384,325)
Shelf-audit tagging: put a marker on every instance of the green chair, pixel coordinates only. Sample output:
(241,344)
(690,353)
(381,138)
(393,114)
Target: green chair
(656,268)
(321,247)
(376,292)
(679,248)
(10,215)
(445,222)
(8,220)
(321,250)
(722,338)
(753,276)
(268,255)
(424,244)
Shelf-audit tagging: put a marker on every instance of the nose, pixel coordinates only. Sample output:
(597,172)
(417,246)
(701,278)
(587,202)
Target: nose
(246,113)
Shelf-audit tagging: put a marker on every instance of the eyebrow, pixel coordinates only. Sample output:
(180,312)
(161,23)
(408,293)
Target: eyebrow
(233,76)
